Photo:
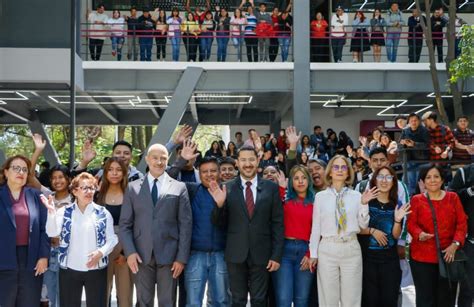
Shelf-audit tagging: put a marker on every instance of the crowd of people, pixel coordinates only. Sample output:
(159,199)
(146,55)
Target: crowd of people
(264,34)
(308,220)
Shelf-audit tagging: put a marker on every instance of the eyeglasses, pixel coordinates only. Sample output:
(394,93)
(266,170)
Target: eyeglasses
(18,169)
(88,189)
(387,178)
(336,168)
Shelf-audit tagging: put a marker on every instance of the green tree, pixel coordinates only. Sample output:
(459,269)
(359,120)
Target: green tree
(463,67)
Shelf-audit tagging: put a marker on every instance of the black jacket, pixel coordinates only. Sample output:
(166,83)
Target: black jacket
(463,185)
(260,238)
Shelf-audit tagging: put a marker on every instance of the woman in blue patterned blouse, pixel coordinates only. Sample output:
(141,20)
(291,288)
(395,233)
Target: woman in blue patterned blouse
(86,236)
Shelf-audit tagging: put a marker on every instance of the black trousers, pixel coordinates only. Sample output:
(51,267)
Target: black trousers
(160,47)
(414,49)
(252,45)
(313,295)
(466,293)
(20,287)
(381,283)
(273,49)
(438,46)
(191,45)
(247,277)
(319,50)
(71,283)
(95,48)
(431,289)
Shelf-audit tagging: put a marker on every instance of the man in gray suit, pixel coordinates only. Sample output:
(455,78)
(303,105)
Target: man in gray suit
(155,229)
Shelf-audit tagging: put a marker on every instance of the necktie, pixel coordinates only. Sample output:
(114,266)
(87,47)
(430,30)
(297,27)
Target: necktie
(154,192)
(249,198)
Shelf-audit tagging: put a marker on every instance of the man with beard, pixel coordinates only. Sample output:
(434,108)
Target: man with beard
(251,210)
(379,158)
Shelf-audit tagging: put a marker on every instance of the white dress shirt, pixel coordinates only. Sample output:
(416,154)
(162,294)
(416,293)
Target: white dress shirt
(325,221)
(253,187)
(160,183)
(83,235)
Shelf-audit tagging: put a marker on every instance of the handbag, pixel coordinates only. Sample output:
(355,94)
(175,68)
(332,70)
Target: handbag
(454,271)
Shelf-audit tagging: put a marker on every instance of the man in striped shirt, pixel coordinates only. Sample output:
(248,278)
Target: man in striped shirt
(464,140)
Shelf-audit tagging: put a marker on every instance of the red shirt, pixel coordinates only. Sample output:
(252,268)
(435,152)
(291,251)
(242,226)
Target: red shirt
(452,225)
(276,28)
(442,137)
(298,219)
(22,220)
(319,28)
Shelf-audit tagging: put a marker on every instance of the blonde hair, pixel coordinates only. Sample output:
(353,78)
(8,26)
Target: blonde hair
(350,170)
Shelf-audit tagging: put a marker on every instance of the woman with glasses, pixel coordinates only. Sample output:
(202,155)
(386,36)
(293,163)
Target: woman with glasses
(432,289)
(112,188)
(24,244)
(382,273)
(339,213)
(87,237)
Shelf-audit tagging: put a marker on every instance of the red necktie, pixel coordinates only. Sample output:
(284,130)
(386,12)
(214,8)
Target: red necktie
(249,199)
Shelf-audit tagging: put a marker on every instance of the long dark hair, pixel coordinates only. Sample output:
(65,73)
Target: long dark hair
(393,194)
(105,184)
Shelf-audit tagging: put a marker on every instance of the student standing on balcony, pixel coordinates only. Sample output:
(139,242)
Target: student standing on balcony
(161,35)
(285,24)
(415,36)
(208,25)
(319,41)
(394,28)
(174,32)
(222,32)
(377,38)
(360,38)
(339,21)
(236,24)
(146,24)
(132,25)
(190,30)
(97,21)
(250,36)
(437,25)
(117,35)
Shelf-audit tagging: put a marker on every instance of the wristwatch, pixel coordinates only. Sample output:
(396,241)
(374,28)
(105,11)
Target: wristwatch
(457,243)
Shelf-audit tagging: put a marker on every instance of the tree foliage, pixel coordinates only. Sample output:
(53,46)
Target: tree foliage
(463,67)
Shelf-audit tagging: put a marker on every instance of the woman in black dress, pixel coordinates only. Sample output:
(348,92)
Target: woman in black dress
(377,38)
(360,37)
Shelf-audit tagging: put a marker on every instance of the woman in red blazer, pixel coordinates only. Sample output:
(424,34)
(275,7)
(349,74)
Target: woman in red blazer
(24,244)
(431,289)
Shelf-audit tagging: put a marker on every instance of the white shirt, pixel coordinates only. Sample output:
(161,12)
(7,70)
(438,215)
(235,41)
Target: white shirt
(160,183)
(337,28)
(83,235)
(117,26)
(253,187)
(324,217)
(93,17)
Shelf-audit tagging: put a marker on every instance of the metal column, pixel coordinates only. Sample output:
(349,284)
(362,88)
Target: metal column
(175,110)
(49,153)
(302,76)
(72,86)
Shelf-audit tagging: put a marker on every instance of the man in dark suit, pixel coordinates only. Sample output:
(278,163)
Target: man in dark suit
(155,230)
(251,210)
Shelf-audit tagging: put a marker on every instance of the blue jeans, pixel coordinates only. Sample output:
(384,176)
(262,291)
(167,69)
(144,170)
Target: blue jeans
(207,267)
(51,278)
(285,47)
(238,42)
(222,48)
(175,44)
(290,283)
(117,44)
(393,38)
(146,43)
(205,44)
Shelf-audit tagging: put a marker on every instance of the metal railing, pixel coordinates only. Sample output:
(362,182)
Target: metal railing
(240,45)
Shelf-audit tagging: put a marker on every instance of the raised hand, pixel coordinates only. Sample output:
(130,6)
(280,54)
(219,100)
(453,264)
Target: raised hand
(363,140)
(183,133)
(401,212)
(39,142)
(369,194)
(218,194)
(189,150)
(282,181)
(88,151)
(48,203)
(292,137)
(349,150)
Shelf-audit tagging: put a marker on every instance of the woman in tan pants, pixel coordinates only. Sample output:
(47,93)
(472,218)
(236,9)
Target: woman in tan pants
(339,213)
(112,188)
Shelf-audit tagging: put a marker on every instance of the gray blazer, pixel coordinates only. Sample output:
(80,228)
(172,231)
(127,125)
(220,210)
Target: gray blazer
(164,229)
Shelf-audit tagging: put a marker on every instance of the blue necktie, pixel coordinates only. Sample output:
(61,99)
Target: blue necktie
(154,192)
